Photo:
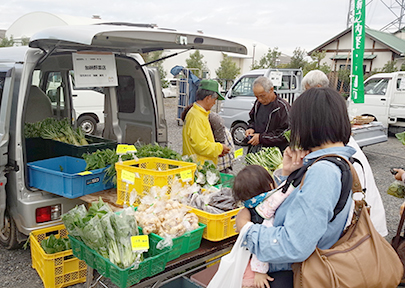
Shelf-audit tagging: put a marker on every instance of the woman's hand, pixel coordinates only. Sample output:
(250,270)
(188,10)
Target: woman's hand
(242,218)
(262,280)
(292,160)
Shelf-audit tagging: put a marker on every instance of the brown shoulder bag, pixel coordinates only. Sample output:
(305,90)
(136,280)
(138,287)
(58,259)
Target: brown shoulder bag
(361,258)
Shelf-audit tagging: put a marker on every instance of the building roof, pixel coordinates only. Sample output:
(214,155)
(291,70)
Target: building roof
(393,42)
(344,57)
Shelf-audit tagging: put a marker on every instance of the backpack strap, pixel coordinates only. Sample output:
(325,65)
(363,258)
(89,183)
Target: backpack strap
(348,179)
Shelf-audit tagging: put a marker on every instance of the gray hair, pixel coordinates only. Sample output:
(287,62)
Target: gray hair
(264,82)
(315,78)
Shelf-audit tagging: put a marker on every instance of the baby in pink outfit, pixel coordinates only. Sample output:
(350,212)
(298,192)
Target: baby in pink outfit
(250,186)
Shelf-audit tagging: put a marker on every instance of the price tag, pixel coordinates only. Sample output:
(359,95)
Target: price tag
(140,243)
(186,175)
(84,173)
(128,176)
(131,148)
(122,149)
(239,153)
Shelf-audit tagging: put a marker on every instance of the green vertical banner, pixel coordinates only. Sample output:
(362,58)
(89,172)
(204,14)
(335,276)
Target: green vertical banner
(358,33)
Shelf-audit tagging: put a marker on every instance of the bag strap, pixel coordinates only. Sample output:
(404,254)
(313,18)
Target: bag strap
(349,179)
(397,238)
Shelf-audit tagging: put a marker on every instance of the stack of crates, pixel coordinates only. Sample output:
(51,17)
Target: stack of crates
(60,269)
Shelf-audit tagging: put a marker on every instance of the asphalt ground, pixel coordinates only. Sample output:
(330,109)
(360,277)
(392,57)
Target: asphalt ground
(15,265)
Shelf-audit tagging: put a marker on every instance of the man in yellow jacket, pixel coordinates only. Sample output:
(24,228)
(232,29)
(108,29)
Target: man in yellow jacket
(198,140)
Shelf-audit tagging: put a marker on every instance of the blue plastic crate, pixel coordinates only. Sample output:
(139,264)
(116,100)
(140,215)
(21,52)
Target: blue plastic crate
(60,176)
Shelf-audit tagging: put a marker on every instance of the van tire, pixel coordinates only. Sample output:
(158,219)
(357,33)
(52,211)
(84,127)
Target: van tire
(8,235)
(238,134)
(88,124)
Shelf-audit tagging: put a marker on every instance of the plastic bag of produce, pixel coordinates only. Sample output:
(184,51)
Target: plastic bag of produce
(397,189)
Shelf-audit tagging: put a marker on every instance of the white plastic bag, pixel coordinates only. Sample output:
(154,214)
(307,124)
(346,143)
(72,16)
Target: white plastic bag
(233,265)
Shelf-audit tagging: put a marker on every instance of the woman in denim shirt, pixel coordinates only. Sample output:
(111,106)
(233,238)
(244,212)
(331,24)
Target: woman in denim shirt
(319,126)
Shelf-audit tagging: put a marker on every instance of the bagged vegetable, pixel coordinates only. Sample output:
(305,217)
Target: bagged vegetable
(53,245)
(397,189)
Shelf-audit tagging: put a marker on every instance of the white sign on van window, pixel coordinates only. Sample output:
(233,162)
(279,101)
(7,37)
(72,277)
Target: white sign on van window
(94,69)
(402,84)
(276,77)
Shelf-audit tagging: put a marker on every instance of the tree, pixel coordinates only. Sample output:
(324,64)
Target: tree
(152,56)
(298,59)
(195,61)
(389,67)
(316,63)
(228,69)
(5,42)
(269,60)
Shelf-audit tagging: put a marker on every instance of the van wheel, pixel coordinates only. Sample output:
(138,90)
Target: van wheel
(88,124)
(8,234)
(238,133)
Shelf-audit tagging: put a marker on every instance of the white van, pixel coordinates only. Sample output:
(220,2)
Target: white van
(133,106)
(384,99)
(240,98)
(88,102)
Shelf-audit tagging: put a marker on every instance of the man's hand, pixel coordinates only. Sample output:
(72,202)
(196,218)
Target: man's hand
(249,131)
(255,139)
(242,218)
(262,280)
(292,160)
(225,150)
(398,176)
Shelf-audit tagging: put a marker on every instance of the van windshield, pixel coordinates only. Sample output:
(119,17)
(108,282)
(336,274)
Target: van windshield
(376,86)
(244,87)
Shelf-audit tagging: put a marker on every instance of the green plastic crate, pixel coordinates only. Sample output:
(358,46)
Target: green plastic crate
(226,180)
(123,278)
(186,243)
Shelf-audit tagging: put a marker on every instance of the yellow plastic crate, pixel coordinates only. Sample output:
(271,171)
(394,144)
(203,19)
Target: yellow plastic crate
(56,270)
(149,172)
(219,226)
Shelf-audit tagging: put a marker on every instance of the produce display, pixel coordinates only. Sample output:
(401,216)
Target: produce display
(207,174)
(401,137)
(163,216)
(108,233)
(108,158)
(58,130)
(211,199)
(268,157)
(397,189)
(53,245)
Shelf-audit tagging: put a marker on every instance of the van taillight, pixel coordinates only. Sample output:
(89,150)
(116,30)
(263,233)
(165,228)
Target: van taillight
(48,213)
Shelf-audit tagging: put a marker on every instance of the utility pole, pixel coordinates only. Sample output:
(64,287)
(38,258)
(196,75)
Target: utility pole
(395,7)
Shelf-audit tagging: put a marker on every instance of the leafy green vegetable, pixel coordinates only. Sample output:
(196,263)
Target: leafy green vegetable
(401,137)
(287,135)
(53,245)
(58,130)
(207,174)
(105,232)
(108,158)
(396,189)
(268,157)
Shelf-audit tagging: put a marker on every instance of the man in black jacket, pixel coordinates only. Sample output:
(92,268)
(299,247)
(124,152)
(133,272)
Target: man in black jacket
(269,117)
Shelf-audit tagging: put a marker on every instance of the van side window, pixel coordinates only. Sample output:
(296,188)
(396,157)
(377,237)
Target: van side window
(126,94)
(401,84)
(54,87)
(376,86)
(244,87)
